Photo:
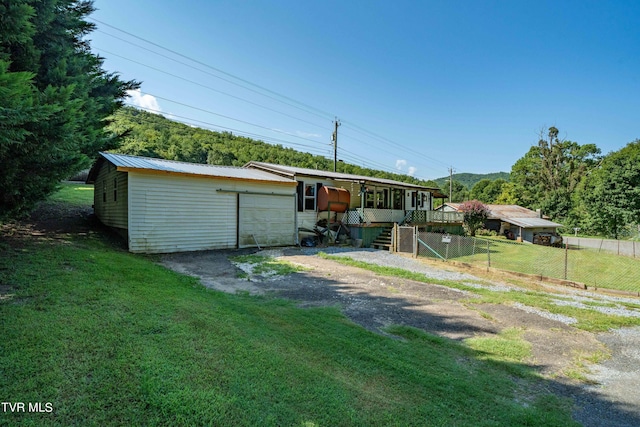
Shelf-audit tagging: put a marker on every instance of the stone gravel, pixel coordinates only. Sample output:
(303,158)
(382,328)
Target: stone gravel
(547,315)
(571,297)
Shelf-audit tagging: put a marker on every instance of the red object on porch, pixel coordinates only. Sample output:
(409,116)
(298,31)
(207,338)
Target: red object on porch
(333,199)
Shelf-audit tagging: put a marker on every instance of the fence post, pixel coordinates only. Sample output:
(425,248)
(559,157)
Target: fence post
(415,242)
(488,256)
(394,237)
(397,237)
(566,258)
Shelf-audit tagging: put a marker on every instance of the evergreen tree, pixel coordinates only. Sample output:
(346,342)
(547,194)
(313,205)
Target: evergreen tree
(53,125)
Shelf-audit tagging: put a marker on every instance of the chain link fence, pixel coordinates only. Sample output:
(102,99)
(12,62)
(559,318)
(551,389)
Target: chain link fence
(619,247)
(589,266)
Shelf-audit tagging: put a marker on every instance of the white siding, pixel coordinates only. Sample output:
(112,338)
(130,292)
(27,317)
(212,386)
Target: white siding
(174,213)
(110,208)
(266,220)
(309,218)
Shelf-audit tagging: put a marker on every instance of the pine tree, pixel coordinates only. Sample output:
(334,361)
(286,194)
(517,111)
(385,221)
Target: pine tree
(54,124)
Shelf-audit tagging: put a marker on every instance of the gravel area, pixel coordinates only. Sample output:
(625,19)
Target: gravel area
(612,400)
(547,315)
(374,301)
(574,298)
(388,259)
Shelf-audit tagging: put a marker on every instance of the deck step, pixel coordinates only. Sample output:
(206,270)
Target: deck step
(383,241)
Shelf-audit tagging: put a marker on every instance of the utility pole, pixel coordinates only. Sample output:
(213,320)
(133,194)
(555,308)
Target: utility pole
(451,170)
(334,138)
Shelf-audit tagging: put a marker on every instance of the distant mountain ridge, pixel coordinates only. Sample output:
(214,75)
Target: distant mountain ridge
(471,179)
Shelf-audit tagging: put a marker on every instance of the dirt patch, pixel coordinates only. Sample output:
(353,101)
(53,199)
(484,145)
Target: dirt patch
(49,221)
(214,270)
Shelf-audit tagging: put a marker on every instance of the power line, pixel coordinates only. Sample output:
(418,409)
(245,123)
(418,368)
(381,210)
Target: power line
(225,116)
(356,159)
(350,137)
(211,74)
(355,127)
(217,126)
(366,132)
(210,88)
(212,67)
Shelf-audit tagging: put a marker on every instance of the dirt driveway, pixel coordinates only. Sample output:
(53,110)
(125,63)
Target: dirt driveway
(375,302)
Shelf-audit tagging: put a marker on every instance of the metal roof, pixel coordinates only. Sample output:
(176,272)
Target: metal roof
(146,163)
(532,222)
(338,176)
(511,211)
(514,214)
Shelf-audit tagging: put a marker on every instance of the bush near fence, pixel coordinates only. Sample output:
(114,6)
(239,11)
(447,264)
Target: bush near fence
(578,264)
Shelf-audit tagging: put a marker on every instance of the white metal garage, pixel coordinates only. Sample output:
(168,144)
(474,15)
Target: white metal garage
(168,206)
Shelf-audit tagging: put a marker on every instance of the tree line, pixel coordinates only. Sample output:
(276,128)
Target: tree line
(152,135)
(571,183)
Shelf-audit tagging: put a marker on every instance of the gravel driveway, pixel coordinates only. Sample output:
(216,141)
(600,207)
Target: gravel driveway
(375,302)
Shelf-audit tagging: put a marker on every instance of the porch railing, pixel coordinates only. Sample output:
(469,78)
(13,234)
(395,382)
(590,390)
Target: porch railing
(369,215)
(426,217)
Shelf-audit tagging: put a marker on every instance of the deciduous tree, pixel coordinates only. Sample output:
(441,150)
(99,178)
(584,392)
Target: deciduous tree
(611,194)
(486,190)
(549,173)
(459,192)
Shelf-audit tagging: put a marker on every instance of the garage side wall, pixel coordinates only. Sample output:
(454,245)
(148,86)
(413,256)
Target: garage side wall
(169,213)
(110,197)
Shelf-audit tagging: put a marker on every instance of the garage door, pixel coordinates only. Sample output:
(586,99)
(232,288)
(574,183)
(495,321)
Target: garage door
(266,220)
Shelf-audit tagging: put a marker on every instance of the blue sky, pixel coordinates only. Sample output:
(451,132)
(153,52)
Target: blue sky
(419,86)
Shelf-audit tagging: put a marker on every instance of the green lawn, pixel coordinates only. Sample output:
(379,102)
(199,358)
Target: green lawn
(588,266)
(74,194)
(112,338)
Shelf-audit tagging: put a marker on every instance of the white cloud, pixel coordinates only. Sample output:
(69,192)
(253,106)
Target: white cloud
(143,101)
(412,170)
(400,164)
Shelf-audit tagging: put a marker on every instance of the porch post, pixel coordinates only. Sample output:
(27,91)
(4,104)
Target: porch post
(363,195)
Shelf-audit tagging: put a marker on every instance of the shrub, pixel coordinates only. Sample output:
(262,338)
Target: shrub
(475,214)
